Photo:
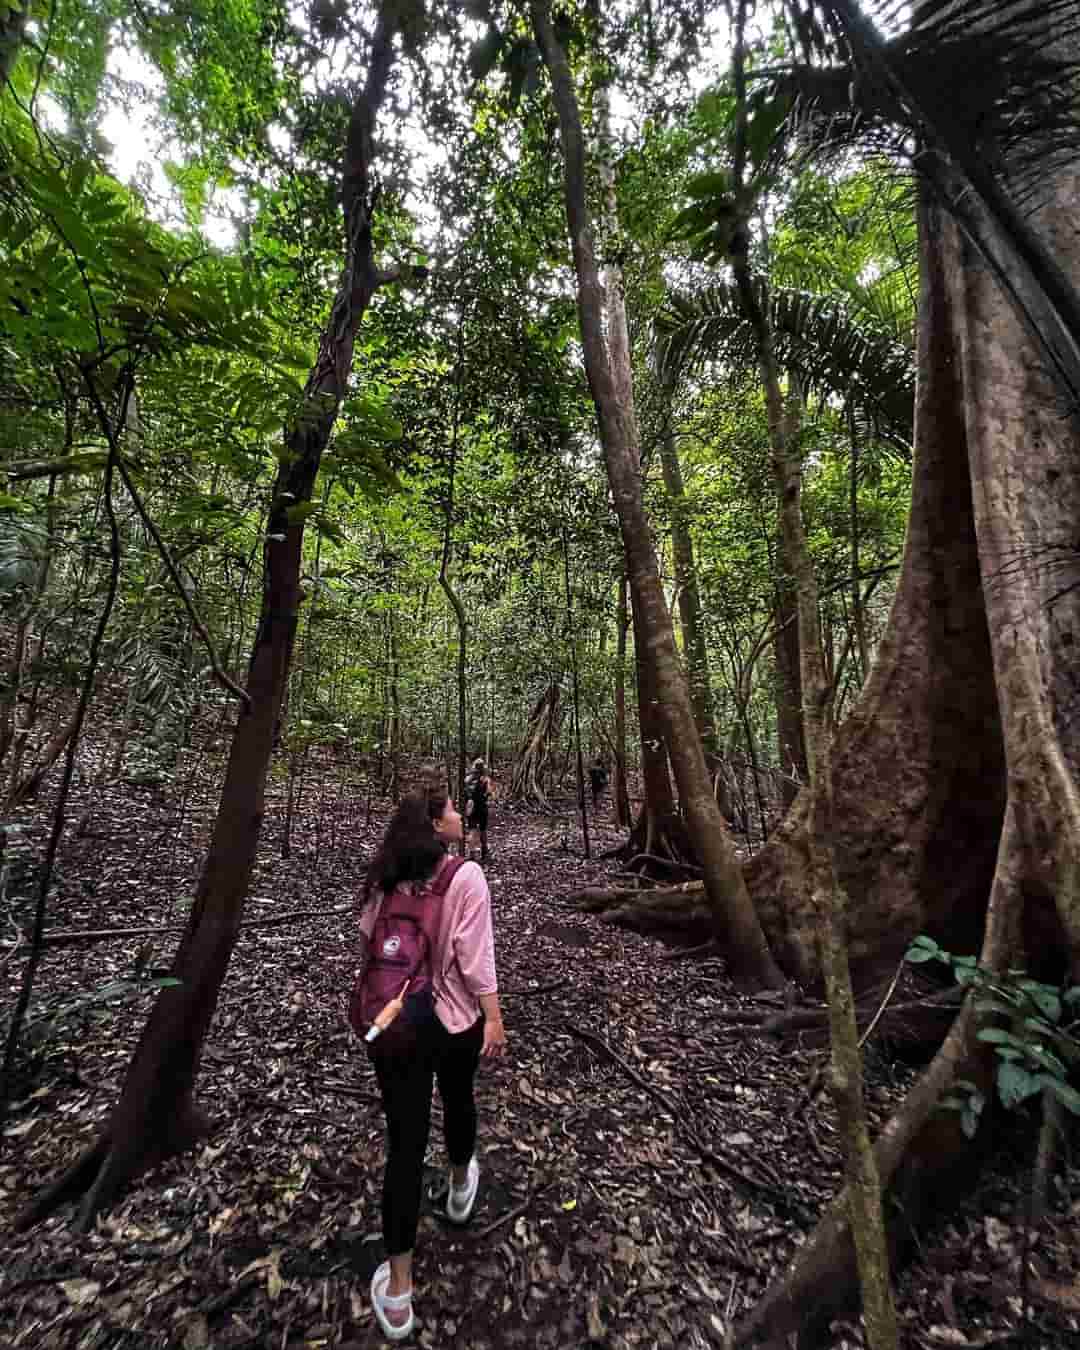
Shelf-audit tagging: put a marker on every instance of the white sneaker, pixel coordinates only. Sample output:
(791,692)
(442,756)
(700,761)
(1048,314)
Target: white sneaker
(381,1301)
(460,1199)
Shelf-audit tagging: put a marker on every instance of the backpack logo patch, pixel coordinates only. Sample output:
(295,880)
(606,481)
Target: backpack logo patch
(391,946)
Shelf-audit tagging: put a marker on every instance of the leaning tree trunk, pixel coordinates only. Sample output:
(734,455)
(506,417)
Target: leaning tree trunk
(986,769)
(607,363)
(156,1115)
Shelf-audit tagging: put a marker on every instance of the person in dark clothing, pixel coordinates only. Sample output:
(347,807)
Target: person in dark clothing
(597,781)
(478,796)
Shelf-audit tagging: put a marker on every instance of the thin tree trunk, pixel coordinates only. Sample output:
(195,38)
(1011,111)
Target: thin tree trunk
(156,1115)
(395,705)
(583,810)
(863,1187)
(857,611)
(607,363)
(682,546)
(444,571)
(621,792)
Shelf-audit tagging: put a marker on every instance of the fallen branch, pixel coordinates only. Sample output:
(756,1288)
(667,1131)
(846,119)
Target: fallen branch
(683,953)
(345,1090)
(884,1004)
(672,863)
(64,938)
(778,1023)
(514,1213)
(721,1164)
(220,1302)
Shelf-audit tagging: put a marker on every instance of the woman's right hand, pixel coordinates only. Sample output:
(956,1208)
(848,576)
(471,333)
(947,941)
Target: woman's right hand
(494,1046)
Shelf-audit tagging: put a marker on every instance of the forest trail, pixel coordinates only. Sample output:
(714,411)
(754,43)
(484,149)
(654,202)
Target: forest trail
(638,1200)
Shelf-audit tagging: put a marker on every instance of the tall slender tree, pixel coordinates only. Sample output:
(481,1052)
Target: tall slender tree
(156,1115)
(605,341)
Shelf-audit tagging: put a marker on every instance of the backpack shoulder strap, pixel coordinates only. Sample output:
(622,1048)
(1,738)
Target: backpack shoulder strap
(441,883)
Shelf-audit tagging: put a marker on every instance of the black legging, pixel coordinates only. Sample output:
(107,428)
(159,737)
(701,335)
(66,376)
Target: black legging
(405,1083)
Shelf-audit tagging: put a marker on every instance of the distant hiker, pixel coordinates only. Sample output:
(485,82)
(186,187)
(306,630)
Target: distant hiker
(427,937)
(597,780)
(477,797)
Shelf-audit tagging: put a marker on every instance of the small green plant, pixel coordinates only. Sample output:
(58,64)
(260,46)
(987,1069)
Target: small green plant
(1036,1052)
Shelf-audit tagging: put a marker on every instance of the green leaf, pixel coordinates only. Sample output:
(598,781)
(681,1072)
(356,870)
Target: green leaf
(1068,1096)
(1016,1084)
(999,1036)
(924,948)
(1045,998)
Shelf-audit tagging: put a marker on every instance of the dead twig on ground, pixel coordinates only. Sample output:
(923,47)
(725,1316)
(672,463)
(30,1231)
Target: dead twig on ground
(516,1212)
(65,938)
(690,1134)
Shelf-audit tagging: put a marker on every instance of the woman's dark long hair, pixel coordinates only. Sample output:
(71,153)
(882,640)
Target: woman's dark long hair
(410,850)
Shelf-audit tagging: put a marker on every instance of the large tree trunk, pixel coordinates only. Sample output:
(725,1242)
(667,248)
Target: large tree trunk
(987,765)
(13,22)
(156,1115)
(607,364)
(917,766)
(658,830)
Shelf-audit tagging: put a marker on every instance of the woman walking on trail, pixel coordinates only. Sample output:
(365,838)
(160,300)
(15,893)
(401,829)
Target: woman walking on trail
(412,867)
(477,795)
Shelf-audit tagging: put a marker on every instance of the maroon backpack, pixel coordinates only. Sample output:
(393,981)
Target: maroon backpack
(400,951)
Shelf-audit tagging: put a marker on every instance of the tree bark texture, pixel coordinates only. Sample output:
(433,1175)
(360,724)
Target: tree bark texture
(791,742)
(828,901)
(534,755)
(995,448)
(156,1115)
(695,652)
(607,363)
(620,792)
(918,770)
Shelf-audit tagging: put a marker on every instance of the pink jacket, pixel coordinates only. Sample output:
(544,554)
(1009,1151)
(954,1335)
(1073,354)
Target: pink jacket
(463,959)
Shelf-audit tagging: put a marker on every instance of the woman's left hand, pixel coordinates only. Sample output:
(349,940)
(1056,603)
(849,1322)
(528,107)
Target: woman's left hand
(494,1039)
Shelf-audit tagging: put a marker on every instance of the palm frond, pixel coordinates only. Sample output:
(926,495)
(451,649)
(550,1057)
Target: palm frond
(996,75)
(985,96)
(835,354)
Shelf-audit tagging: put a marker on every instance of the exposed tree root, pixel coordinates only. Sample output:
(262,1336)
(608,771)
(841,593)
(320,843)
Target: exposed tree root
(534,756)
(678,911)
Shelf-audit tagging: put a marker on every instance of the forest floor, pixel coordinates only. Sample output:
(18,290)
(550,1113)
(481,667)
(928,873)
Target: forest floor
(642,1197)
